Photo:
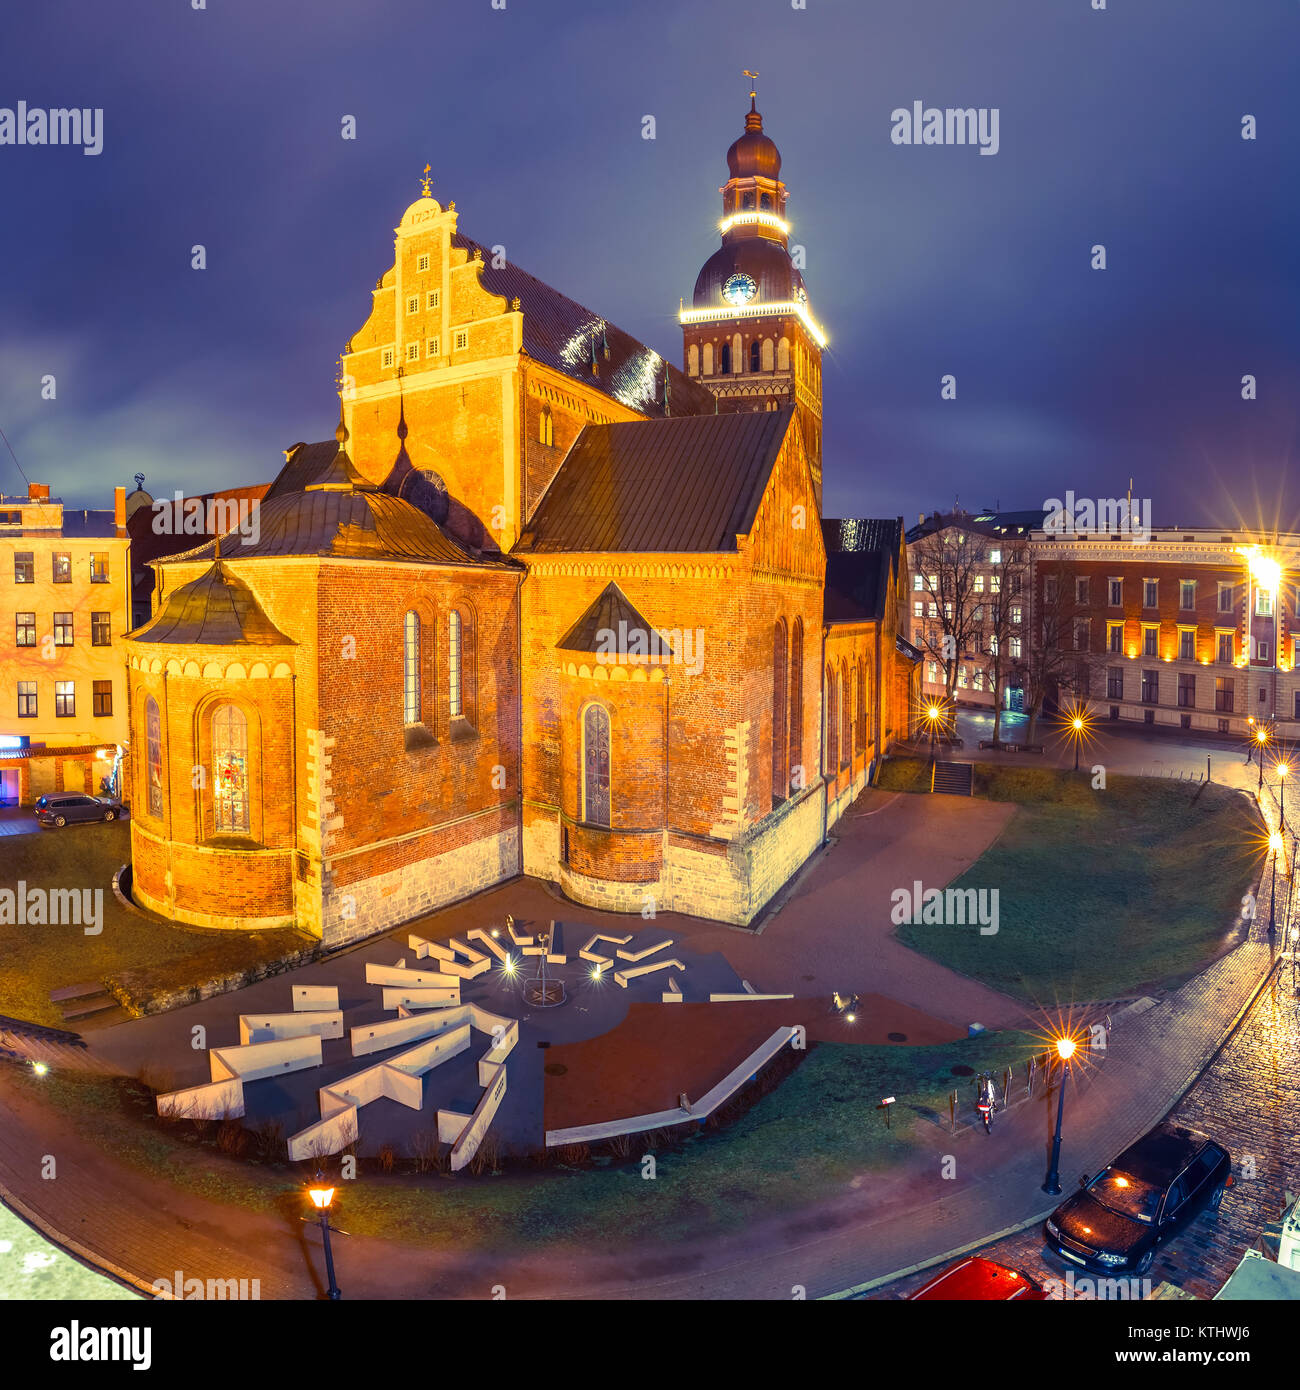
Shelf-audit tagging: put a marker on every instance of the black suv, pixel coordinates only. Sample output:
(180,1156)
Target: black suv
(1151,1191)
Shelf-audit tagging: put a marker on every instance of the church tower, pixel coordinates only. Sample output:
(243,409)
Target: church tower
(749,335)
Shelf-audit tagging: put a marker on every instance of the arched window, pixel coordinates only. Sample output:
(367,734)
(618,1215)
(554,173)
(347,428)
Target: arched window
(708,359)
(455,691)
(725,368)
(797,777)
(411,669)
(765,202)
(747,202)
(846,698)
(783,355)
(546,427)
(769,360)
(153,740)
(862,706)
(737,353)
(832,721)
(755,355)
(230,769)
(595,765)
(780,662)
(693,360)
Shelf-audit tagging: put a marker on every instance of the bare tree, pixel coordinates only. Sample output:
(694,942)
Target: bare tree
(1056,659)
(1009,600)
(952,562)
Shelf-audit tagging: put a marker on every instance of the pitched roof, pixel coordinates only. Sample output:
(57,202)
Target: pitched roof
(690,483)
(612,624)
(861,558)
(218,610)
(560,332)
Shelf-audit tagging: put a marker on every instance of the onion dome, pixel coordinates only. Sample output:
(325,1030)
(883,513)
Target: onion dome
(766,263)
(754,153)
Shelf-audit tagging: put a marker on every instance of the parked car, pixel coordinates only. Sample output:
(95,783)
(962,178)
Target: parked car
(1149,1194)
(978,1278)
(65,808)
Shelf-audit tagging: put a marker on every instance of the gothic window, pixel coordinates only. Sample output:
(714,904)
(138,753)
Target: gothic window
(780,661)
(725,368)
(546,429)
(153,738)
(783,355)
(755,355)
(862,707)
(832,721)
(796,707)
(708,359)
(595,765)
(737,353)
(768,358)
(411,670)
(230,770)
(846,711)
(455,694)
(693,360)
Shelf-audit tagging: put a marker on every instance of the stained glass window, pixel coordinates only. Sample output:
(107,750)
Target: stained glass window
(153,737)
(595,766)
(230,764)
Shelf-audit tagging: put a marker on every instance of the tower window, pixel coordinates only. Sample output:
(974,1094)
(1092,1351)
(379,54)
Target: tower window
(422,262)
(754,355)
(725,359)
(765,202)
(747,202)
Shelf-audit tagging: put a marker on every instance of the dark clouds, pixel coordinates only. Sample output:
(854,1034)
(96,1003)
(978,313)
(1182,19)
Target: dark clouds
(1120,127)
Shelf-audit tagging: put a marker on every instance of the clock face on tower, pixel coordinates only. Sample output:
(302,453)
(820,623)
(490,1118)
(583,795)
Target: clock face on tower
(739,288)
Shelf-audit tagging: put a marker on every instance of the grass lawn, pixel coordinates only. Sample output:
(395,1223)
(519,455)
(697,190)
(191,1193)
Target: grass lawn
(800,1144)
(1100,892)
(154,955)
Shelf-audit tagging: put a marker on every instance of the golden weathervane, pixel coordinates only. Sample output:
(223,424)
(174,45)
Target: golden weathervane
(424,182)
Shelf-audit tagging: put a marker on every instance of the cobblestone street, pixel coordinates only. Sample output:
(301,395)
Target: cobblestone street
(1248,1100)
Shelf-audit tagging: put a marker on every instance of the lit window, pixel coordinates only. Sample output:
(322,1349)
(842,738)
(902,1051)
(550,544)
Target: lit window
(153,736)
(230,761)
(99,567)
(1015,648)
(411,670)
(26,699)
(453,664)
(995,557)
(1263,602)
(65,700)
(62,568)
(63,629)
(24,629)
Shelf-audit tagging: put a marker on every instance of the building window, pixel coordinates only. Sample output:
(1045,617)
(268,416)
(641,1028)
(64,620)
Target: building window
(99,566)
(432,349)
(1225,648)
(1264,651)
(1150,640)
(63,629)
(24,567)
(1186,690)
(386,357)
(993,644)
(1116,593)
(862,708)
(62,568)
(422,262)
(102,697)
(1187,594)
(979,584)
(595,765)
(153,736)
(755,355)
(1187,644)
(995,557)
(24,629)
(1049,589)
(101,633)
(1015,648)
(1081,591)
(1263,602)
(1017,613)
(412,303)
(1114,682)
(780,663)
(411,669)
(26,699)
(434,299)
(546,429)
(832,722)
(1115,637)
(461,340)
(1225,597)
(454,694)
(65,700)
(1149,593)
(412,352)
(918,583)
(1150,687)
(230,761)
(846,715)
(1081,634)
(1224,694)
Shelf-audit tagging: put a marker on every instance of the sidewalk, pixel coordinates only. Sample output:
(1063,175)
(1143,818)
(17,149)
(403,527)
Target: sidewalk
(140,1228)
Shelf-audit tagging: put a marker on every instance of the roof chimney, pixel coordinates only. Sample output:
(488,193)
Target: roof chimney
(38,492)
(119,509)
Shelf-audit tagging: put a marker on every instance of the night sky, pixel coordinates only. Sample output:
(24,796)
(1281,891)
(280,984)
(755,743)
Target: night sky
(222,127)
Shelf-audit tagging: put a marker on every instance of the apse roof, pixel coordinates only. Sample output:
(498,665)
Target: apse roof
(611,625)
(217,609)
(684,484)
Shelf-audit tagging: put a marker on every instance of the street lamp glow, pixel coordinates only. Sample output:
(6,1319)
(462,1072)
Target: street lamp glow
(1275,842)
(321,1197)
(40,1068)
(1065,1048)
(1261,736)
(1078,724)
(1282,769)
(932,712)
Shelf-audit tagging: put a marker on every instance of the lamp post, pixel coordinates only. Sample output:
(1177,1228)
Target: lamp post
(1282,770)
(321,1197)
(1261,738)
(1077,725)
(1275,844)
(1052,1185)
(933,715)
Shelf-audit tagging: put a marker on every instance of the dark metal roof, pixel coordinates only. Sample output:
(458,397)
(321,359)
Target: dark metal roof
(611,626)
(561,332)
(347,522)
(303,463)
(988,523)
(861,557)
(217,610)
(684,484)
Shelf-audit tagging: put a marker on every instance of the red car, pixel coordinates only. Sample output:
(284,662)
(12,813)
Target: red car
(978,1278)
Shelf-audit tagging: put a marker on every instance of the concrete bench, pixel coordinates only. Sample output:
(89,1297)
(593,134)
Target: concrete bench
(488,940)
(463,948)
(649,951)
(590,953)
(621,977)
(518,937)
(673,994)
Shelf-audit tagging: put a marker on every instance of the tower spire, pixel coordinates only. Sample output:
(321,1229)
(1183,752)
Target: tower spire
(753,90)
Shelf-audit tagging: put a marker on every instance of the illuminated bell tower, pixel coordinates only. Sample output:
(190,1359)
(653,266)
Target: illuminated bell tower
(749,334)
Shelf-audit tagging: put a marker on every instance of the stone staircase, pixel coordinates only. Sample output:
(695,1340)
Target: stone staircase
(33,1044)
(954,779)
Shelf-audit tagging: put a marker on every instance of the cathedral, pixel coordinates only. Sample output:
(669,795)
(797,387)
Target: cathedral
(544,605)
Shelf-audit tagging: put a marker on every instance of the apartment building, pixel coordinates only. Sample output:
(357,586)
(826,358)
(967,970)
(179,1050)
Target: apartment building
(65,604)
(1187,629)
